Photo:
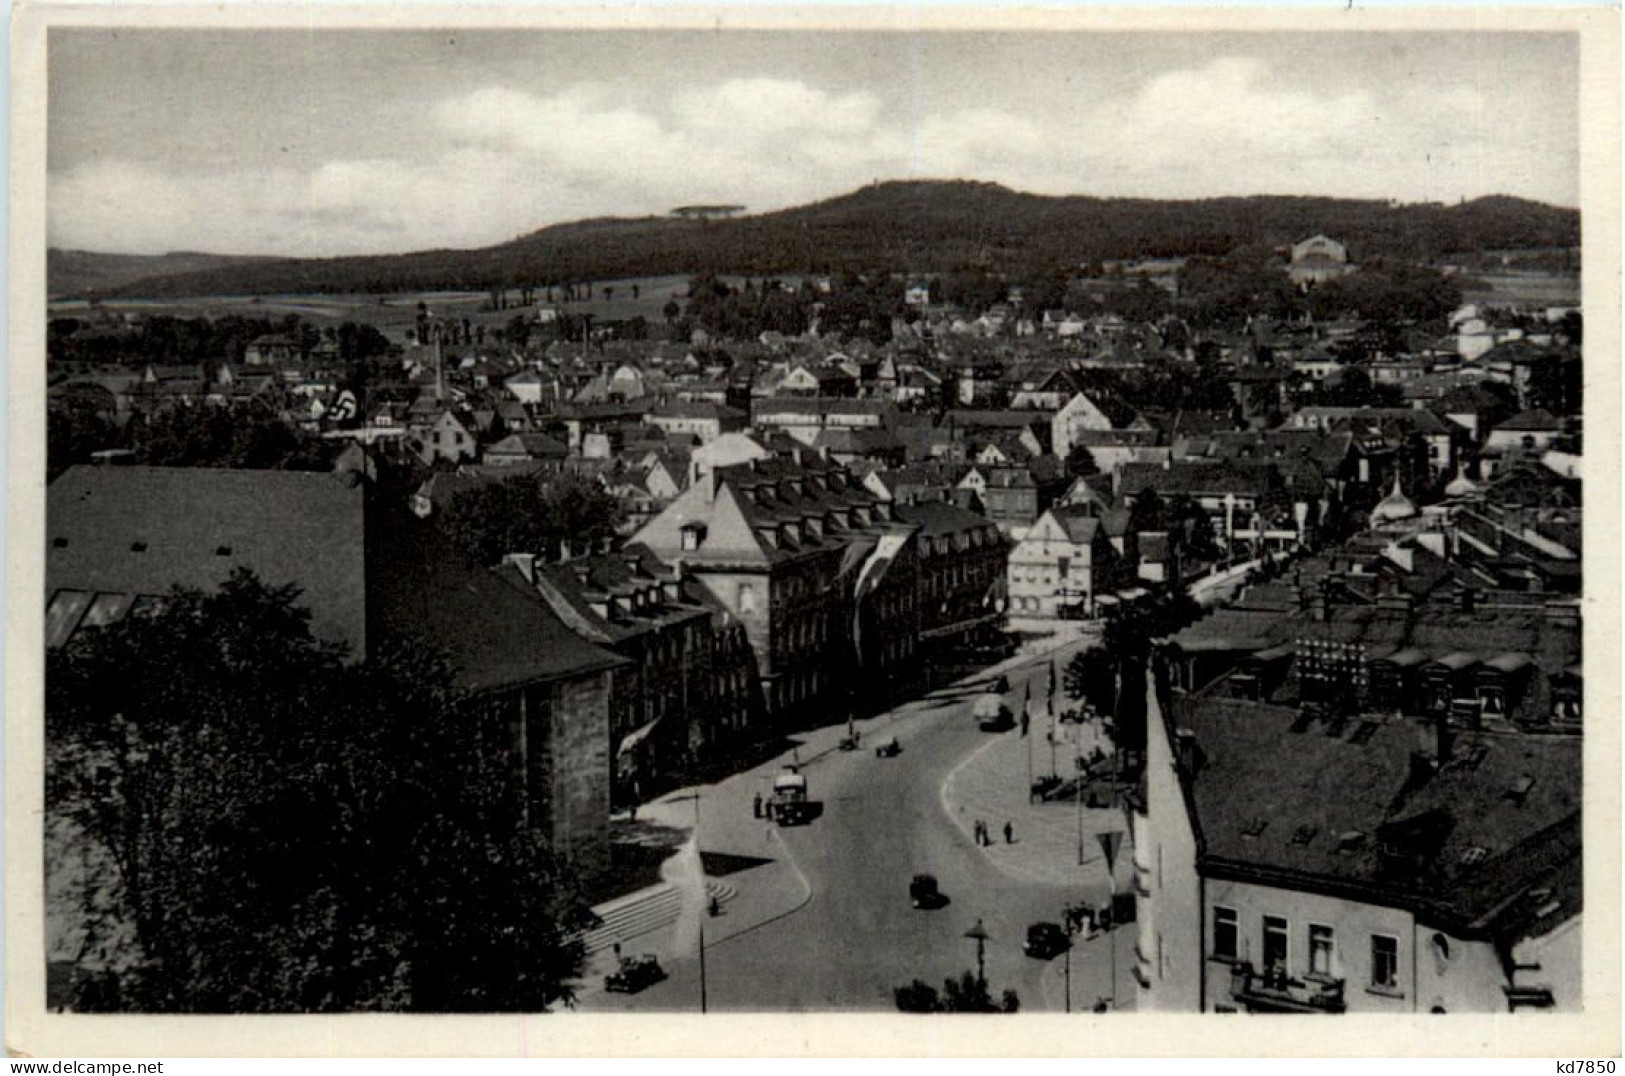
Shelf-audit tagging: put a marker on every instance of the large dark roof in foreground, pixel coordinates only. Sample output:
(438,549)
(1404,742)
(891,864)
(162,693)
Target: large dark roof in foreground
(144,530)
(1309,788)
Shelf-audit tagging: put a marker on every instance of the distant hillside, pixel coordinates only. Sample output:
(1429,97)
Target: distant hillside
(84,272)
(914,226)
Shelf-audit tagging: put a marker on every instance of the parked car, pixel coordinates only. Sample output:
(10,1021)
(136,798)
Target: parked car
(1045,941)
(634,974)
(924,894)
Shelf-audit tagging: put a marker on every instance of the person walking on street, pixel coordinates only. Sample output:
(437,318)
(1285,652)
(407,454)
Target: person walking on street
(1009,834)
(756,806)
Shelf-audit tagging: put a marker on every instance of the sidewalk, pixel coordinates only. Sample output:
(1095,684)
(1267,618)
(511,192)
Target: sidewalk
(992,786)
(1092,972)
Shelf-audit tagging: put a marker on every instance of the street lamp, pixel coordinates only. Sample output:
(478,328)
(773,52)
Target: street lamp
(979,935)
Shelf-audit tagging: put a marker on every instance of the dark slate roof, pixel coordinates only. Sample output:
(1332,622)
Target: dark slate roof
(1537,419)
(1308,788)
(1230,476)
(634,571)
(194,525)
(936,518)
(495,629)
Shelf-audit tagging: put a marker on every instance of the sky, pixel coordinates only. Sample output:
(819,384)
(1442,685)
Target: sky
(327,142)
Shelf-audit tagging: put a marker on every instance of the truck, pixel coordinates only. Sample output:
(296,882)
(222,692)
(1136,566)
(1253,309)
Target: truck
(789,805)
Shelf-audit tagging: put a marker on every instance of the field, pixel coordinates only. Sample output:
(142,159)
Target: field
(394,314)
(1522,288)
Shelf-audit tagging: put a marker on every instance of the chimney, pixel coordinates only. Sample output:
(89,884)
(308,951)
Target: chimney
(525,562)
(1468,713)
(1559,637)
(1187,753)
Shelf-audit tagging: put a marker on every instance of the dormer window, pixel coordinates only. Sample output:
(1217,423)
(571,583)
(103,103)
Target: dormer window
(693,535)
(792,533)
(770,535)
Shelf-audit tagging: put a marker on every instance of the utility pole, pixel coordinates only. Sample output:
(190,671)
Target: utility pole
(704,911)
(1068,976)
(1077,794)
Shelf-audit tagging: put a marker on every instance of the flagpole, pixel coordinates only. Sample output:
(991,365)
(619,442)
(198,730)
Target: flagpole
(1026,719)
(703,911)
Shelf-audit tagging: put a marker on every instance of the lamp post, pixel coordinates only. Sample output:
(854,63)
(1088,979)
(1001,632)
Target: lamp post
(979,935)
(1068,1007)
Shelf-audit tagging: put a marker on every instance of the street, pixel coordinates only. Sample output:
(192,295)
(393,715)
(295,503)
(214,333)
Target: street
(850,936)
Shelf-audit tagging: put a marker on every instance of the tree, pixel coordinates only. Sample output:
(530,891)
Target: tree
(1080,463)
(1091,677)
(966,993)
(286,832)
(209,436)
(530,513)
(1147,513)
(72,434)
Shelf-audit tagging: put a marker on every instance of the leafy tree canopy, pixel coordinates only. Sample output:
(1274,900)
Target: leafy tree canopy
(531,513)
(285,832)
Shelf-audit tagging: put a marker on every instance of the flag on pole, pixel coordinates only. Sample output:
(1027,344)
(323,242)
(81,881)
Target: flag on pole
(685,873)
(1109,843)
(344,408)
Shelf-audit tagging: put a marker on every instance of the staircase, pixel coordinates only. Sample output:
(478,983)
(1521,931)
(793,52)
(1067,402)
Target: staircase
(644,912)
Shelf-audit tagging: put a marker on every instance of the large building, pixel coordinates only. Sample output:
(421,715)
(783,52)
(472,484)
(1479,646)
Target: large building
(687,694)
(1296,860)
(1057,569)
(119,538)
(835,587)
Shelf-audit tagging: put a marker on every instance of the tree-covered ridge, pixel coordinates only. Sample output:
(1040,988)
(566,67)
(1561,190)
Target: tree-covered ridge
(925,227)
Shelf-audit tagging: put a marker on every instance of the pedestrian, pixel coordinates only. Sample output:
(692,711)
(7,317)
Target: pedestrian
(977,829)
(617,952)
(1009,834)
(756,806)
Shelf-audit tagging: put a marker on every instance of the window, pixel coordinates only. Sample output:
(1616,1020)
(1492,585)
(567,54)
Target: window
(747,598)
(1224,933)
(1384,961)
(1320,949)
(1275,942)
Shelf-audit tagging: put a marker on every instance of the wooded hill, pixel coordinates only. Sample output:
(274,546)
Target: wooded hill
(916,226)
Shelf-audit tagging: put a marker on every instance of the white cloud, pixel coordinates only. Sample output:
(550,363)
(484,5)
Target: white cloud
(499,162)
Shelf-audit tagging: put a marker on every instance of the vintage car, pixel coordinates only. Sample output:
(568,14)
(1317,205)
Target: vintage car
(890,749)
(634,974)
(1046,940)
(992,715)
(924,894)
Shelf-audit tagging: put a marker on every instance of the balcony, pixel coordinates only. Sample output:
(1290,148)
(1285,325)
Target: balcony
(1275,991)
